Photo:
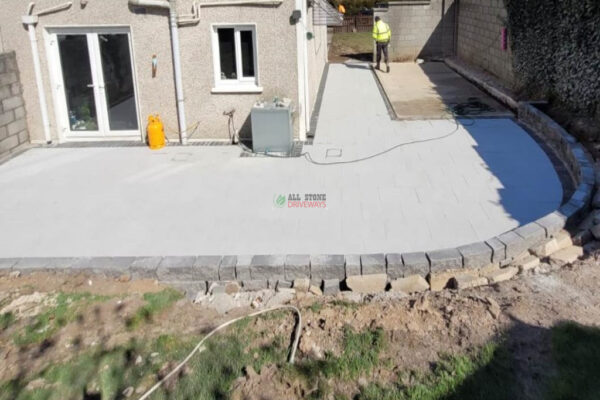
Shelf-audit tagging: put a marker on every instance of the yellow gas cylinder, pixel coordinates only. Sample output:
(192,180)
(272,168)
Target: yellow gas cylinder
(156,132)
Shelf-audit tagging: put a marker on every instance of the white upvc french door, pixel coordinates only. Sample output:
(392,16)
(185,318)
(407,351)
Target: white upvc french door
(93,77)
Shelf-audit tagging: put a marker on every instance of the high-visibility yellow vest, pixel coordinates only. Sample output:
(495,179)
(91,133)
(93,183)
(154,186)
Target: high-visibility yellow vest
(382,32)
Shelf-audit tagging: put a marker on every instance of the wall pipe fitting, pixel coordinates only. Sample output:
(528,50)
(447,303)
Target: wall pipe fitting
(31,20)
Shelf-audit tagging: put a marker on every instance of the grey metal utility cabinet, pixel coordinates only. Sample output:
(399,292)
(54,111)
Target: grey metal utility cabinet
(272,130)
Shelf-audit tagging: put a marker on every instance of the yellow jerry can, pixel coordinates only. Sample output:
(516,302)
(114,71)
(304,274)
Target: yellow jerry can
(156,133)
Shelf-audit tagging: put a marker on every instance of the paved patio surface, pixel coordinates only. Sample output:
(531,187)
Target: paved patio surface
(430,90)
(487,177)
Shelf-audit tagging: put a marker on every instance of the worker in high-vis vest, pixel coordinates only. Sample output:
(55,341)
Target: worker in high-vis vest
(382,35)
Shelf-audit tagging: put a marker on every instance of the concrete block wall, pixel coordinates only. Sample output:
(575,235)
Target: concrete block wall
(420,29)
(480,23)
(13,123)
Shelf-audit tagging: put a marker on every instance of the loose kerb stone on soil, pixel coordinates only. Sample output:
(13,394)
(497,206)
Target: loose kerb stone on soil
(367,283)
(410,284)
(502,275)
(528,263)
(301,284)
(467,281)
(372,264)
(566,256)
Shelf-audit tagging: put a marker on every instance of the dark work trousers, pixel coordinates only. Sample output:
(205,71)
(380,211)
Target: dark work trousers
(382,47)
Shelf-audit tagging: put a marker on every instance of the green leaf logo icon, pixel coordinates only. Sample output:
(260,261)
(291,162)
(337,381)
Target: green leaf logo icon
(279,200)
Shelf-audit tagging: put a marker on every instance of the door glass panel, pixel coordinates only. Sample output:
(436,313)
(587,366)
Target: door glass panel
(227,53)
(118,82)
(247,53)
(78,83)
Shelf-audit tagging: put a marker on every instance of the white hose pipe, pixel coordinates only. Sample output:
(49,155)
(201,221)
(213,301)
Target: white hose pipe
(150,3)
(198,347)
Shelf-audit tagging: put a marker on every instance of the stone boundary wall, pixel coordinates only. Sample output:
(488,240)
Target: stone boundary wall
(480,24)
(475,264)
(13,122)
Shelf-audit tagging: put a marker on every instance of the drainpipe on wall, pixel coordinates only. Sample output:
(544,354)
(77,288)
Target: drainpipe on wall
(302,67)
(31,21)
(172,7)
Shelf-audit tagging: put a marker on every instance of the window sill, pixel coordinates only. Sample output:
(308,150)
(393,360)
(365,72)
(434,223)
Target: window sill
(237,89)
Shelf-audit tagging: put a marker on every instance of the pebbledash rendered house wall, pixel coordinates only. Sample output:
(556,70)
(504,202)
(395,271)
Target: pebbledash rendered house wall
(420,28)
(480,24)
(276,39)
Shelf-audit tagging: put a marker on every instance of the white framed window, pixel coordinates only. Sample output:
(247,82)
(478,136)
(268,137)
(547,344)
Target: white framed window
(235,58)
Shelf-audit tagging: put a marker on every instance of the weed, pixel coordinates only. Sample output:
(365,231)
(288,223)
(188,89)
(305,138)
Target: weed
(6,320)
(46,324)
(155,303)
(345,304)
(107,373)
(576,351)
(316,307)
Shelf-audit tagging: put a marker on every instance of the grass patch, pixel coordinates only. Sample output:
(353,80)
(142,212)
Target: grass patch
(483,375)
(155,303)
(106,374)
(360,356)
(45,325)
(576,351)
(316,307)
(353,42)
(6,320)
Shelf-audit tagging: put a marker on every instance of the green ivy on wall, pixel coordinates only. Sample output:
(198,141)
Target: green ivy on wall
(556,49)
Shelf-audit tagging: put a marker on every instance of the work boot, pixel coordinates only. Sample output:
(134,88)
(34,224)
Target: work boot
(377,66)
(387,67)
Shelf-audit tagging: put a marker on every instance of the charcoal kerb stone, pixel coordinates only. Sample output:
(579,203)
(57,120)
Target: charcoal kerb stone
(476,255)
(372,264)
(242,268)
(395,266)
(445,259)
(552,223)
(227,268)
(297,266)
(352,265)
(532,233)
(8,263)
(267,267)
(327,267)
(498,250)
(174,268)
(416,264)
(208,267)
(144,267)
(105,265)
(515,244)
